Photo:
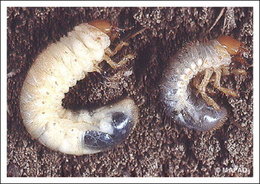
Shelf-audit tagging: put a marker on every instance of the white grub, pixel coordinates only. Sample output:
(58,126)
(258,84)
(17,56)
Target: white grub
(176,93)
(53,72)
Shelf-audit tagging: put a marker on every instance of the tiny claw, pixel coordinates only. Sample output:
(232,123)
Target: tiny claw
(126,58)
(134,34)
(97,69)
(232,93)
(235,95)
(118,48)
(125,43)
(113,65)
(228,92)
(239,72)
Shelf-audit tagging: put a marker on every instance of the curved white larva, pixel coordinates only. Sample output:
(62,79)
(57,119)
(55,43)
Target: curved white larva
(181,104)
(54,71)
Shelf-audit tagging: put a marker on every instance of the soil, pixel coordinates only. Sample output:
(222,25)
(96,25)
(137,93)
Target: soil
(158,146)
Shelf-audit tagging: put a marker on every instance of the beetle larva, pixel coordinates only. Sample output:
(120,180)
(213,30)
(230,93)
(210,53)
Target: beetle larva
(176,92)
(51,75)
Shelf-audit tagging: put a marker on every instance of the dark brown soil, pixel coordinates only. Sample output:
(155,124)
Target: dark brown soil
(158,146)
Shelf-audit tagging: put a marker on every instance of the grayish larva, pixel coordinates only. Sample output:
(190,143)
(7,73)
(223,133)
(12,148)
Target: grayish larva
(51,75)
(176,91)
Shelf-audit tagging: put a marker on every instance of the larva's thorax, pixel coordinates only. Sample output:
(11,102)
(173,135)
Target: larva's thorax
(199,56)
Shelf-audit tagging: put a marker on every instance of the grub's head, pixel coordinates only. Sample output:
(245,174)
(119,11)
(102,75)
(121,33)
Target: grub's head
(106,27)
(232,46)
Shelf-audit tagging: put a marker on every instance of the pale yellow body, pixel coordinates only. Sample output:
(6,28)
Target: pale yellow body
(51,75)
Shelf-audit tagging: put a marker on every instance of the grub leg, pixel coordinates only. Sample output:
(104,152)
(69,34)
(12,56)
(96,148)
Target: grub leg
(111,53)
(97,69)
(239,72)
(123,61)
(202,89)
(110,61)
(222,89)
(225,71)
(196,81)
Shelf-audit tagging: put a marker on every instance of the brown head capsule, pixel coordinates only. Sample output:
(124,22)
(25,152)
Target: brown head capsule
(233,47)
(106,27)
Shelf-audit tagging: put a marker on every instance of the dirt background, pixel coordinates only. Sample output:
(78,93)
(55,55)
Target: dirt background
(158,146)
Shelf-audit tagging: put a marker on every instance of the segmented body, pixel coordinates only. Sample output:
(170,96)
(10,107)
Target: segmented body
(54,71)
(176,91)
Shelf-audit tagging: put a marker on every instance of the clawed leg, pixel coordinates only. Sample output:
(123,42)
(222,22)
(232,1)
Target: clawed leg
(225,71)
(196,83)
(222,89)
(208,78)
(97,69)
(122,62)
(202,89)
(111,53)
(125,59)
(110,61)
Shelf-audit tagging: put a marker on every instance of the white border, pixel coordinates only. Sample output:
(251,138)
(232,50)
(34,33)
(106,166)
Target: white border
(130,3)
(6,4)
